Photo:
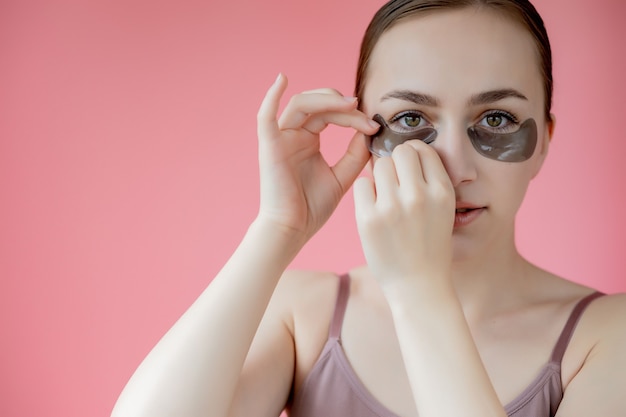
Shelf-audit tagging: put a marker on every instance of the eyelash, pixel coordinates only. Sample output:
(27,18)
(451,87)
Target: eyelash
(511,119)
(413,113)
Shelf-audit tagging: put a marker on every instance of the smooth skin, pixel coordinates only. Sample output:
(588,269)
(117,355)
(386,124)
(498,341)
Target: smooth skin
(443,320)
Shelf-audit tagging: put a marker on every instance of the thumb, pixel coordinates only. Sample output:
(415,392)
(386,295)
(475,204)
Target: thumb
(348,168)
(267,125)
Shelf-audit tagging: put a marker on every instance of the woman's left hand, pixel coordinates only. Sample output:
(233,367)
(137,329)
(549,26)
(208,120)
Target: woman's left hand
(405,216)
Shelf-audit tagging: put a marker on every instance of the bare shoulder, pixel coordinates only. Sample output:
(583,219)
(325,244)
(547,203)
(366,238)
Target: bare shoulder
(596,387)
(307,301)
(605,319)
(593,370)
(301,305)
(286,338)
(299,290)
(302,302)
(293,281)
(599,339)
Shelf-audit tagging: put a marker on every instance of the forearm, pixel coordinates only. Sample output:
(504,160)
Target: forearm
(443,364)
(194,369)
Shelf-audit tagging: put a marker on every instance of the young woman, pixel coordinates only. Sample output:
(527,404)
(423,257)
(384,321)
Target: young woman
(446,318)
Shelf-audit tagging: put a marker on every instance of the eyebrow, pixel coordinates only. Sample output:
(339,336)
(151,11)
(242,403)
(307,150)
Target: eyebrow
(495,95)
(412,96)
(478,99)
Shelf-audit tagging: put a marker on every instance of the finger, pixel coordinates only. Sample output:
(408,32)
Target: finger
(301,106)
(352,162)
(432,167)
(408,167)
(267,126)
(354,119)
(385,180)
(326,90)
(364,198)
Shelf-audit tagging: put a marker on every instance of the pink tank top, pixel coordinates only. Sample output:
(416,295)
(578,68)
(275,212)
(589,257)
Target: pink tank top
(333,389)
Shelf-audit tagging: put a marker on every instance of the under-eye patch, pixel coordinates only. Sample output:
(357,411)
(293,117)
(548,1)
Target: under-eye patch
(516,146)
(384,141)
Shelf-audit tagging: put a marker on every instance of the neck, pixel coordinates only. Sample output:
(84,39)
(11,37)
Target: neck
(491,281)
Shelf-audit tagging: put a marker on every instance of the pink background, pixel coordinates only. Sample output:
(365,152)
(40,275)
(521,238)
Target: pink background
(128,168)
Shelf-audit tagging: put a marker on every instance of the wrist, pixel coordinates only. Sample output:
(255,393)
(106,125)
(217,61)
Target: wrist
(274,234)
(428,291)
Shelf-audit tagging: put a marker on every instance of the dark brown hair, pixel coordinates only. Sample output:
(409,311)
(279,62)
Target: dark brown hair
(520,11)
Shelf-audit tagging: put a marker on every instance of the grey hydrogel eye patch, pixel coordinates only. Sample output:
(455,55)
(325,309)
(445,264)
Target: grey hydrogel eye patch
(384,141)
(516,146)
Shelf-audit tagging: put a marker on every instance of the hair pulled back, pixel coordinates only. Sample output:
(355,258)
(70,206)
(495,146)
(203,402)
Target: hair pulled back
(520,11)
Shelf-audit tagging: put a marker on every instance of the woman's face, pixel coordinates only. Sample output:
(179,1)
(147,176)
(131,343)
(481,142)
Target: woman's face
(453,70)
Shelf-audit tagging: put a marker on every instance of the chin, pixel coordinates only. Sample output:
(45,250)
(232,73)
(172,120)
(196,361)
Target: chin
(465,248)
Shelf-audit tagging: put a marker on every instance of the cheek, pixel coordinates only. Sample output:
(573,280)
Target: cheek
(511,182)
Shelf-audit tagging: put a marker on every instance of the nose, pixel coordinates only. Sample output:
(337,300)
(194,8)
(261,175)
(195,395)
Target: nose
(457,154)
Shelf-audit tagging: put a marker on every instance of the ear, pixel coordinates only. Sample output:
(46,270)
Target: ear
(550,125)
(543,144)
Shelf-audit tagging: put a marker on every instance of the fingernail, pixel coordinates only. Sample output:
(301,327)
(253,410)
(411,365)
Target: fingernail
(280,74)
(350,99)
(373,123)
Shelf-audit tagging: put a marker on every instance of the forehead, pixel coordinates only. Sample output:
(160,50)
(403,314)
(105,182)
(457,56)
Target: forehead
(454,53)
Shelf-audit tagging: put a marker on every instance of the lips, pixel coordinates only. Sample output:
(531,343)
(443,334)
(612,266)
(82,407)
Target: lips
(466,213)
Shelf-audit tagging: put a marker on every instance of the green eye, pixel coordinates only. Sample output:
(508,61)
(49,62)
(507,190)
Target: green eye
(407,121)
(412,121)
(494,120)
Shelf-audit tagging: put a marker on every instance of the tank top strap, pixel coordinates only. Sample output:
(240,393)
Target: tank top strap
(340,307)
(570,326)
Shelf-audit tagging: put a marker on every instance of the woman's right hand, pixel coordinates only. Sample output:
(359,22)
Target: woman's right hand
(299,189)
